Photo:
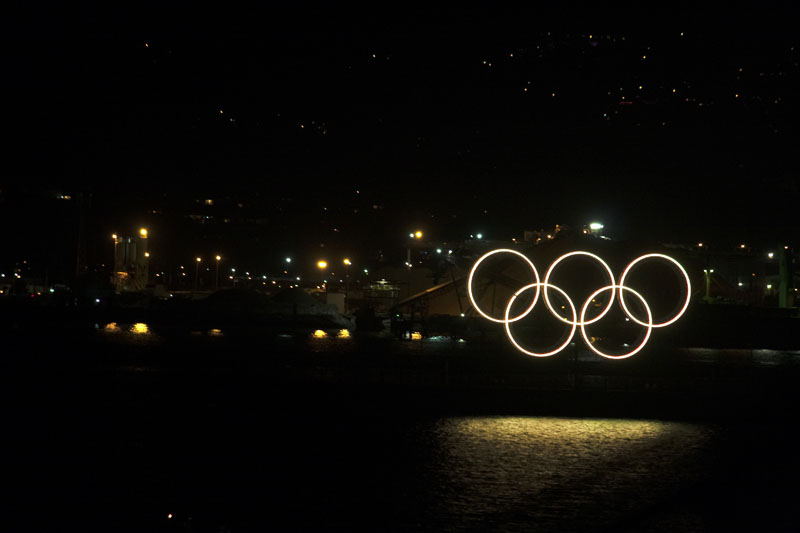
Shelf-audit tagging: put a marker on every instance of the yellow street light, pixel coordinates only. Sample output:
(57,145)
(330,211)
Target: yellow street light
(418,234)
(143,233)
(197,272)
(114,236)
(347,262)
(218,258)
(322,264)
(147,254)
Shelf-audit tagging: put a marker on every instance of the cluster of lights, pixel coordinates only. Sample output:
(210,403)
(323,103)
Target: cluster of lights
(322,334)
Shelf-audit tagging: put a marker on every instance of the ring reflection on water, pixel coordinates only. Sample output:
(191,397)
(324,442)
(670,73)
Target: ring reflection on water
(536,473)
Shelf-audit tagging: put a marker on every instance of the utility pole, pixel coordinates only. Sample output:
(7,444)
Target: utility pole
(785,278)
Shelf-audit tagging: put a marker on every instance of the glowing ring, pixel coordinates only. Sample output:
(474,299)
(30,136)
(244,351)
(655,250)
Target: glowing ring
(472,298)
(547,279)
(649,326)
(508,327)
(685,277)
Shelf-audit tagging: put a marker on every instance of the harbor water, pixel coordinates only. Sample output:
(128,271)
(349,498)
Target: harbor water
(124,427)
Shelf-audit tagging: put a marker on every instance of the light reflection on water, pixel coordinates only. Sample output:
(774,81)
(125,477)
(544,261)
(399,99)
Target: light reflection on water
(526,473)
(140,328)
(134,334)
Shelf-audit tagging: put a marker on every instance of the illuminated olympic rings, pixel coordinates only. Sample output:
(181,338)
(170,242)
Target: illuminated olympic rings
(579,319)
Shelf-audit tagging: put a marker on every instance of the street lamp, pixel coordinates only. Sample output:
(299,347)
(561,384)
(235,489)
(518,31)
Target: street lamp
(347,263)
(143,233)
(196,271)
(216,276)
(116,240)
(708,283)
(322,265)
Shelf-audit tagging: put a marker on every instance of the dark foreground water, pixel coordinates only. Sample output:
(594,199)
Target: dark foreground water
(128,429)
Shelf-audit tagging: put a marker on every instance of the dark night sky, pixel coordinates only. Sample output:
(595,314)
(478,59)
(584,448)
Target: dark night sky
(507,119)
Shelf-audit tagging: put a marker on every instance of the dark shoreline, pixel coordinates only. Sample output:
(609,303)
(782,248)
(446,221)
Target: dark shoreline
(371,375)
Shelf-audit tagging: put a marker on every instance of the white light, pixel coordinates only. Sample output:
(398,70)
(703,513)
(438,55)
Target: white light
(769,287)
(594,226)
(741,284)
(97,300)
(288,259)
(479,235)
(438,250)
(771,255)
